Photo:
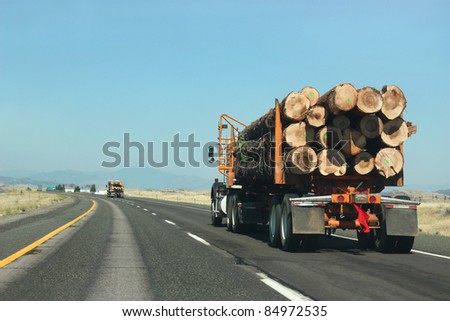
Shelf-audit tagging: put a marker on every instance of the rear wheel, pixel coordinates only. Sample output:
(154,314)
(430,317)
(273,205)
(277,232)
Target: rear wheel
(365,240)
(230,205)
(383,242)
(404,244)
(236,225)
(215,220)
(289,241)
(275,221)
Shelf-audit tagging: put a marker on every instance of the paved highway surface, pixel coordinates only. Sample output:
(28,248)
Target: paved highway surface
(140,249)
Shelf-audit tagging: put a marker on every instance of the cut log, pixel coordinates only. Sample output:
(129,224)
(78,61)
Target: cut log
(394,102)
(412,129)
(389,162)
(298,134)
(301,160)
(371,126)
(363,163)
(340,121)
(353,142)
(295,106)
(329,136)
(331,161)
(341,98)
(394,132)
(317,116)
(369,100)
(312,94)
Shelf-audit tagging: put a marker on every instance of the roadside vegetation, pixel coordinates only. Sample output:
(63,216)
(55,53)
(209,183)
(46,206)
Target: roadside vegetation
(20,200)
(434,218)
(184,196)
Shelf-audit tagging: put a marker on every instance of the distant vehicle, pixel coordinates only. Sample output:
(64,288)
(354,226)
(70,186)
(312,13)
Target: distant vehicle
(115,189)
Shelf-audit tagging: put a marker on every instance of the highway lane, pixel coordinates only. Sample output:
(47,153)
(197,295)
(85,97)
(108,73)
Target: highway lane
(121,252)
(338,271)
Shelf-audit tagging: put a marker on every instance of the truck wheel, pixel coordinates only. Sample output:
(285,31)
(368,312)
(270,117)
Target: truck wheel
(236,225)
(308,242)
(230,204)
(289,241)
(383,242)
(215,220)
(275,221)
(365,240)
(404,244)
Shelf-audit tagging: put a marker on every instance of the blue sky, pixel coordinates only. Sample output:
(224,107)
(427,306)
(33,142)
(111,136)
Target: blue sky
(77,74)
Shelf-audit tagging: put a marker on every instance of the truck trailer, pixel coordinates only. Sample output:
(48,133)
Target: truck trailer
(115,189)
(301,194)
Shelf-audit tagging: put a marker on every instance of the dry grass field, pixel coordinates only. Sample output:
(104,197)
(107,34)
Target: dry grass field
(434,218)
(15,201)
(185,196)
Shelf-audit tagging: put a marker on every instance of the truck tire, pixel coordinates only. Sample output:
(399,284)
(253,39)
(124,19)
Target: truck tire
(275,221)
(230,204)
(404,244)
(289,241)
(236,225)
(365,241)
(382,242)
(215,220)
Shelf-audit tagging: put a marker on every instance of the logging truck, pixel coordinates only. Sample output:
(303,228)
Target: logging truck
(115,189)
(315,164)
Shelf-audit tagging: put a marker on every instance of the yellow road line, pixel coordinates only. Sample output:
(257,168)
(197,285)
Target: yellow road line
(27,249)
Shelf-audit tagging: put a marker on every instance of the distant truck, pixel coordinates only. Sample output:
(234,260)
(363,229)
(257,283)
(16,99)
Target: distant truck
(115,189)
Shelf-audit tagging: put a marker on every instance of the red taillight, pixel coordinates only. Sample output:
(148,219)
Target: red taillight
(389,206)
(341,198)
(413,207)
(372,199)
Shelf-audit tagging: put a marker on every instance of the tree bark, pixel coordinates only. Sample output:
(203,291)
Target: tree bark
(363,163)
(371,126)
(394,102)
(395,132)
(331,161)
(312,94)
(343,97)
(353,142)
(317,116)
(259,127)
(295,106)
(301,160)
(329,136)
(369,100)
(389,162)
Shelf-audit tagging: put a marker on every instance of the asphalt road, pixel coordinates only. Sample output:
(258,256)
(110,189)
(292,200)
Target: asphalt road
(139,249)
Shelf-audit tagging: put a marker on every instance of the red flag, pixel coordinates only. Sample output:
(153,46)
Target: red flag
(362,218)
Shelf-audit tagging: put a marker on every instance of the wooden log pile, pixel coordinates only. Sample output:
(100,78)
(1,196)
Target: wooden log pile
(344,131)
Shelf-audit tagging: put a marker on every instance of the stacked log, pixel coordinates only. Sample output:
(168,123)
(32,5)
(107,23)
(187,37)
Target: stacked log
(346,131)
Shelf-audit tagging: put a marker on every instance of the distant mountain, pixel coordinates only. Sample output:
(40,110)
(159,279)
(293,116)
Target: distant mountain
(444,191)
(132,177)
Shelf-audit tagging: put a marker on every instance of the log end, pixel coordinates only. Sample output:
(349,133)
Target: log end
(394,102)
(317,116)
(371,126)
(331,161)
(395,132)
(295,106)
(342,98)
(389,162)
(364,163)
(369,100)
(312,94)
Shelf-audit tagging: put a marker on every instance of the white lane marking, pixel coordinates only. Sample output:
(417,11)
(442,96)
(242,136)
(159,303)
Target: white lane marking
(154,214)
(431,254)
(414,251)
(169,222)
(145,209)
(168,203)
(195,237)
(283,290)
(138,206)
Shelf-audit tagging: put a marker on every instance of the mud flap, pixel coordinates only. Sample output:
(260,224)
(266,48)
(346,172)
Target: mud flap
(307,220)
(401,222)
